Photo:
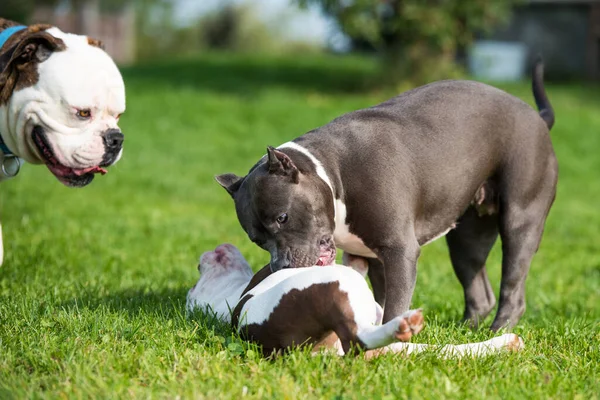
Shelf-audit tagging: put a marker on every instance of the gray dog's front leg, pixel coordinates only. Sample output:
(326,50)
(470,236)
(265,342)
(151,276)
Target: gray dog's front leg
(400,266)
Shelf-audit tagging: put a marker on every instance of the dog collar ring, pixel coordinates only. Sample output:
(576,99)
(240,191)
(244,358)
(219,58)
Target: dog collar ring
(11,165)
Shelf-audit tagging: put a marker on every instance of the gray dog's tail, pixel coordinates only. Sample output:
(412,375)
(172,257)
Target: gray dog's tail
(539,93)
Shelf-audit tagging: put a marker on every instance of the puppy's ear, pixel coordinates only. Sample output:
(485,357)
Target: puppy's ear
(281,164)
(230,182)
(18,65)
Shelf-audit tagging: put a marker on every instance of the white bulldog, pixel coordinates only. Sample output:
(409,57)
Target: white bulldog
(61,97)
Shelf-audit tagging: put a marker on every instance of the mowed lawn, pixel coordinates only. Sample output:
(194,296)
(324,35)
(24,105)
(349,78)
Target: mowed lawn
(92,290)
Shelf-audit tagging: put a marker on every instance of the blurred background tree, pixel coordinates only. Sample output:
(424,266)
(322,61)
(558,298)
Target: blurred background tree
(416,39)
(21,10)
(232,25)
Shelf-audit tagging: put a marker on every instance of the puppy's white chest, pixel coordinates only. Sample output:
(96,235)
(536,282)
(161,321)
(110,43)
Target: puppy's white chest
(346,240)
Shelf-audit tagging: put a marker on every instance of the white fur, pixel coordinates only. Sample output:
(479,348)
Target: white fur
(346,240)
(343,238)
(220,286)
(508,341)
(81,76)
(376,336)
(318,166)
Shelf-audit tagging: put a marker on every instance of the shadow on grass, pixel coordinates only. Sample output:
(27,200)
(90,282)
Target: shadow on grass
(250,74)
(163,303)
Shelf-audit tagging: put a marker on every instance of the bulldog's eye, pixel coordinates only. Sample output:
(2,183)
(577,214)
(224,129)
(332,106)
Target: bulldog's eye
(282,219)
(85,113)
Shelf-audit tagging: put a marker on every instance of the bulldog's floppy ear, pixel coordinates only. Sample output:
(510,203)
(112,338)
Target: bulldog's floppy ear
(17,64)
(230,182)
(281,164)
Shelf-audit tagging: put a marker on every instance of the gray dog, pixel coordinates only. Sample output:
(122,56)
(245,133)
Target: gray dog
(453,157)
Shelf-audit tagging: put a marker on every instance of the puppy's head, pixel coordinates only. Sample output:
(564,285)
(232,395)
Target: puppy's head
(223,272)
(63,96)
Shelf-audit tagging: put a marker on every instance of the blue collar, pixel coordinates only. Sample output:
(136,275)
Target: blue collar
(8,32)
(4,36)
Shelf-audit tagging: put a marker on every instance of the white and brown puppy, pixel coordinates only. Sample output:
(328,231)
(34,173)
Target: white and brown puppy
(324,306)
(61,97)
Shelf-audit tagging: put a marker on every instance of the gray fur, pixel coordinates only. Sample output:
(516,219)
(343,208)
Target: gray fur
(407,170)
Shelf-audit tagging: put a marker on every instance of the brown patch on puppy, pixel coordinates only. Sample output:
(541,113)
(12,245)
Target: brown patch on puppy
(235,315)
(327,342)
(20,56)
(95,43)
(303,317)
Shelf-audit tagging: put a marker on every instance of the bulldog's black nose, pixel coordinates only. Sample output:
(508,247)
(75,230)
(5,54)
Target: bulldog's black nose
(113,139)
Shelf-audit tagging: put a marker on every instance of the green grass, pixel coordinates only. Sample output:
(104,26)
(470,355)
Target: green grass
(92,290)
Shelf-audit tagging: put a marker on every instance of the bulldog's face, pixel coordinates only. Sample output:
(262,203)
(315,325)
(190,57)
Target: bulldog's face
(65,107)
(224,273)
(284,211)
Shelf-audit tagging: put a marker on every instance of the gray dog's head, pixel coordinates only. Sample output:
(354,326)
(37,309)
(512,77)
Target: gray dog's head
(286,209)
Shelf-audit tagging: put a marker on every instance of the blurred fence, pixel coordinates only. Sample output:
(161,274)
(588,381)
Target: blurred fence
(115,30)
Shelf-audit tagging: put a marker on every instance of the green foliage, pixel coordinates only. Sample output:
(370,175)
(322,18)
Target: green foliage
(20,10)
(418,39)
(231,27)
(93,287)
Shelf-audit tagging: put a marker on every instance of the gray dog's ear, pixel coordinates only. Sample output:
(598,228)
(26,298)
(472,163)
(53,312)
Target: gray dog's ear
(230,182)
(281,164)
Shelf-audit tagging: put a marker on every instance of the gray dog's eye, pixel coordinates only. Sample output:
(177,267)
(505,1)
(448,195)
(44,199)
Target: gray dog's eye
(282,219)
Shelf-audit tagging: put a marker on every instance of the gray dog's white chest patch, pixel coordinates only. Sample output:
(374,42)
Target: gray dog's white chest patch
(346,240)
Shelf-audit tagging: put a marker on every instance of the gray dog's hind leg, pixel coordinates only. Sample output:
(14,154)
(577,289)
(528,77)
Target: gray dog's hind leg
(469,244)
(523,214)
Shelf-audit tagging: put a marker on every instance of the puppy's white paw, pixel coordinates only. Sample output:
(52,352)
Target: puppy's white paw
(508,341)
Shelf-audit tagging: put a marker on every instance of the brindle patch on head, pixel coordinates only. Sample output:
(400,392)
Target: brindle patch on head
(18,36)
(21,55)
(303,317)
(95,43)
(7,23)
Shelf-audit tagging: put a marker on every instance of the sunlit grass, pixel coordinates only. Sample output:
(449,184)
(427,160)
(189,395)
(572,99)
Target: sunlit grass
(92,290)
